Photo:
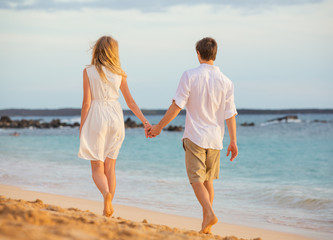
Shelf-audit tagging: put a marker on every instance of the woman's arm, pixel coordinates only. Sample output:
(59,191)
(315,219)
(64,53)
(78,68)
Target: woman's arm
(172,112)
(86,99)
(132,104)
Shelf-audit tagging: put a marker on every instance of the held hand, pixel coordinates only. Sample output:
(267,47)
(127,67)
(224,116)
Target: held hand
(154,131)
(234,151)
(147,128)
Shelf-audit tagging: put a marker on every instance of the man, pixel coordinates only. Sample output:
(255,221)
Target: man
(209,99)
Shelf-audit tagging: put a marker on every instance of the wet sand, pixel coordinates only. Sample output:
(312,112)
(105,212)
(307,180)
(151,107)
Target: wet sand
(35,215)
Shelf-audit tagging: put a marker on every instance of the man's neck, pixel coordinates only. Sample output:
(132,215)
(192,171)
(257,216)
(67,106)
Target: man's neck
(210,62)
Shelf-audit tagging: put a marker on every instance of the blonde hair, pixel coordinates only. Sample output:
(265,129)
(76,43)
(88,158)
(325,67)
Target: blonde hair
(105,53)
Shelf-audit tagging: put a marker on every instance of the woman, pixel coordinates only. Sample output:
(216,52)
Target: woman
(102,125)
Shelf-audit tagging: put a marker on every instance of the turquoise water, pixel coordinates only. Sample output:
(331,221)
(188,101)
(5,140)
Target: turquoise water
(282,178)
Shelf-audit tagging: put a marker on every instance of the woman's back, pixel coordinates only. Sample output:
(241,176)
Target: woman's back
(103,90)
(103,130)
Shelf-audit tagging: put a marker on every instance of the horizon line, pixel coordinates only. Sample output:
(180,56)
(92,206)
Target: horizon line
(157,109)
(77,111)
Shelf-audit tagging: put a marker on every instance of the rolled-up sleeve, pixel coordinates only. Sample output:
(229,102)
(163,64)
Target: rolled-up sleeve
(230,108)
(183,91)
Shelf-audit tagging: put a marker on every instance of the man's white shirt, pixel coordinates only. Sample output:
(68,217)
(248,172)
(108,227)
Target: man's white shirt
(208,96)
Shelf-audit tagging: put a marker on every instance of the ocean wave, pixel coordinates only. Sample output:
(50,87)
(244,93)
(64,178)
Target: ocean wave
(292,198)
(71,120)
(282,121)
(304,202)
(310,223)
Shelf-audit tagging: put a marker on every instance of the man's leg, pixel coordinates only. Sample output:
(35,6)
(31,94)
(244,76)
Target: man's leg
(209,218)
(210,188)
(212,172)
(195,158)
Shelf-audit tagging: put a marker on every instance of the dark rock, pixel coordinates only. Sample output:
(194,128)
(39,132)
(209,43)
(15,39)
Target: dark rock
(285,118)
(44,125)
(174,128)
(76,124)
(63,124)
(251,124)
(129,123)
(5,119)
(33,123)
(6,122)
(23,123)
(55,123)
(15,124)
(319,121)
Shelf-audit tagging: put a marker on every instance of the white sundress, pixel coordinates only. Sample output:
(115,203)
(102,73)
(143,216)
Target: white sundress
(103,131)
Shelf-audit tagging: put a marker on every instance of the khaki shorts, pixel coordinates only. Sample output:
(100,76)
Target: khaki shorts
(201,164)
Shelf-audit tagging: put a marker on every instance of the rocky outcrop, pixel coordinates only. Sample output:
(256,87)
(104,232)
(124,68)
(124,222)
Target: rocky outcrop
(250,124)
(287,118)
(319,121)
(5,119)
(129,123)
(172,128)
(6,122)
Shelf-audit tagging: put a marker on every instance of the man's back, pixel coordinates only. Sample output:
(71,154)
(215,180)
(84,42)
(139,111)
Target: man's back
(208,97)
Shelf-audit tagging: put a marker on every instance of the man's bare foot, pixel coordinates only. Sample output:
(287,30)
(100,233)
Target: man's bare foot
(108,209)
(208,223)
(209,229)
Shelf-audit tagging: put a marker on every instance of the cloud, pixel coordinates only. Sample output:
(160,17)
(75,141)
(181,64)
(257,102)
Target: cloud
(142,5)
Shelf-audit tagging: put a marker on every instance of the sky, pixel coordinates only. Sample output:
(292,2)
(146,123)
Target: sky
(278,53)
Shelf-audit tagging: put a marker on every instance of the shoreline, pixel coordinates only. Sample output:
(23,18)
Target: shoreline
(138,215)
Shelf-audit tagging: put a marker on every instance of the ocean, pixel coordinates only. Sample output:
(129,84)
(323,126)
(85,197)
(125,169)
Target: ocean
(281,180)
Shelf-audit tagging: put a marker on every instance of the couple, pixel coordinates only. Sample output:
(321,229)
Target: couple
(209,99)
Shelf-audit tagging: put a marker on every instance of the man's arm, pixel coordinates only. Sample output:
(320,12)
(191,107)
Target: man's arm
(172,112)
(231,123)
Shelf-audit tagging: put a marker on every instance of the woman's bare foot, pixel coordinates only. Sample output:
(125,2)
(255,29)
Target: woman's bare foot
(108,209)
(208,223)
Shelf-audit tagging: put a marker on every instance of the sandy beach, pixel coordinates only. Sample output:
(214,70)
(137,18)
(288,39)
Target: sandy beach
(37,215)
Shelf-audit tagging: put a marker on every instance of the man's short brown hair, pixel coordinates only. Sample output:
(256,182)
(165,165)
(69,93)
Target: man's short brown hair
(207,47)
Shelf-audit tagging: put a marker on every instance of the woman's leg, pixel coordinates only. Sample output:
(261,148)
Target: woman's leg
(99,177)
(110,173)
(101,182)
